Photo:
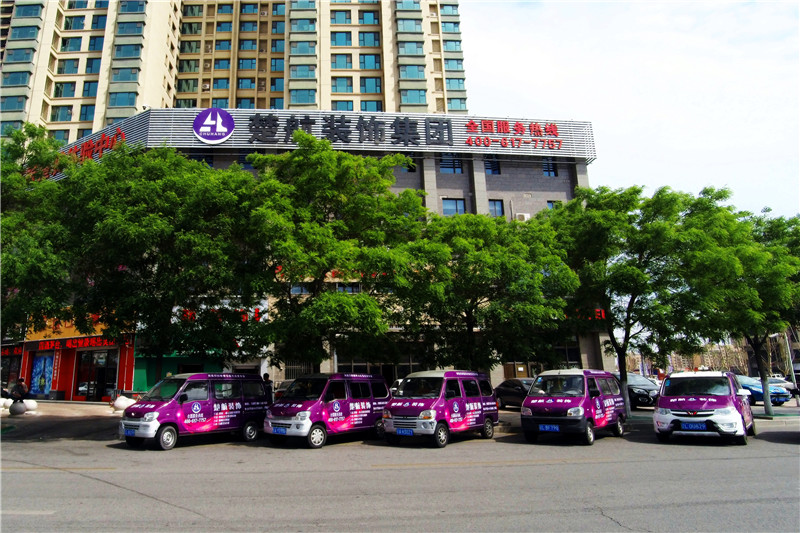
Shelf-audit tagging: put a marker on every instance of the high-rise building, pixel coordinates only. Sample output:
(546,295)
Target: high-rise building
(77,66)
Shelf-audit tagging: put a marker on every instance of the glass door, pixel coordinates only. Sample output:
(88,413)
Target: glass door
(96,375)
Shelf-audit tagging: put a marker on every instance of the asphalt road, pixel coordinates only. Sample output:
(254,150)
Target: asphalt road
(68,473)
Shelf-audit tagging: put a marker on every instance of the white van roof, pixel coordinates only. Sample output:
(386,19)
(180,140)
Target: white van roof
(698,373)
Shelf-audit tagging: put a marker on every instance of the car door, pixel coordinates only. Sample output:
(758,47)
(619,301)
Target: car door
(473,411)
(227,404)
(454,405)
(741,402)
(196,409)
(336,408)
(360,405)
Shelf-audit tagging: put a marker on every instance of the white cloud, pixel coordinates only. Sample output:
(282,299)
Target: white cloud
(685,94)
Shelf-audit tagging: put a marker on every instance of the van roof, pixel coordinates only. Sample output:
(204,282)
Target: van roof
(341,375)
(214,375)
(446,374)
(575,372)
(698,373)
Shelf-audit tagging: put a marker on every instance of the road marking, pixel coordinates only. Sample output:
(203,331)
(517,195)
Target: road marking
(485,463)
(61,469)
(27,513)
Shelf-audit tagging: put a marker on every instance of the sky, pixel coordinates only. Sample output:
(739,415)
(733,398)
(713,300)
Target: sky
(681,94)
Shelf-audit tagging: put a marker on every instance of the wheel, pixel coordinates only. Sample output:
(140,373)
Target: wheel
(531,436)
(134,442)
(392,439)
(166,437)
(317,436)
(752,430)
(502,403)
(487,432)
(588,433)
(250,431)
(752,400)
(618,429)
(380,431)
(441,435)
(662,437)
(777,404)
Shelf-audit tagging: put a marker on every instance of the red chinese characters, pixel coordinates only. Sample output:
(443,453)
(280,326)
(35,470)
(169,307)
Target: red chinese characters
(482,133)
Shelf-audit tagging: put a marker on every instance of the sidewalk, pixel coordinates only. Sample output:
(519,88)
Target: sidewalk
(64,409)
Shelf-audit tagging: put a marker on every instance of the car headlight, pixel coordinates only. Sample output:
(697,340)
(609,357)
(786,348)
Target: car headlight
(726,411)
(268,414)
(150,417)
(427,414)
(662,411)
(525,411)
(302,415)
(387,413)
(575,411)
(640,391)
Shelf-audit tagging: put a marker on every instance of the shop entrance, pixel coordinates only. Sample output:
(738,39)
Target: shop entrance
(96,375)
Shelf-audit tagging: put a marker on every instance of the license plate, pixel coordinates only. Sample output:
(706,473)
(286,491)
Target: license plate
(405,432)
(693,426)
(130,432)
(549,427)
(279,431)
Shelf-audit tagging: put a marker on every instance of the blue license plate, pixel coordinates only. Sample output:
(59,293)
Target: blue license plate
(693,426)
(405,432)
(549,427)
(130,432)
(279,431)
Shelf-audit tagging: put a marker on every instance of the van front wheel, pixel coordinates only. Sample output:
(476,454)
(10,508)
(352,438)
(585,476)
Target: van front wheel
(250,431)
(166,437)
(317,436)
(588,433)
(441,435)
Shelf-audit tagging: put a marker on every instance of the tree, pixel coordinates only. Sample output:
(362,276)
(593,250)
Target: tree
(329,220)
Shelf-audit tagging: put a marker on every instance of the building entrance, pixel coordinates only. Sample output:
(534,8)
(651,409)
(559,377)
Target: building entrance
(96,375)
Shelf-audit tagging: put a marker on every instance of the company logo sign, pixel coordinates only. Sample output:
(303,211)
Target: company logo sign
(196,407)
(213,126)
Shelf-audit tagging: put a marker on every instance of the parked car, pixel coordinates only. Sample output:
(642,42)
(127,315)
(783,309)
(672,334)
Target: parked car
(281,387)
(394,386)
(641,391)
(784,383)
(778,395)
(513,391)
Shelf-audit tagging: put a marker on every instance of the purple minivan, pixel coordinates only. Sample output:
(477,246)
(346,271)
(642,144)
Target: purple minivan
(190,404)
(437,402)
(703,403)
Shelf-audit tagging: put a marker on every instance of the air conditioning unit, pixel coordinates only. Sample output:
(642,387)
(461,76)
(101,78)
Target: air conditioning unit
(522,217)
(207,65)
(206,86)
(262,50)
(263,13)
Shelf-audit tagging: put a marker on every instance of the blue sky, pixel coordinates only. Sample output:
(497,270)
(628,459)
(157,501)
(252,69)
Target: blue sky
(682,94)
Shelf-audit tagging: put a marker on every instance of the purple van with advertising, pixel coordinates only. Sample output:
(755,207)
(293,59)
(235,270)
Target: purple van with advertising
(320,404)
(573,401)
(190,404)
(703,403)
(436,403)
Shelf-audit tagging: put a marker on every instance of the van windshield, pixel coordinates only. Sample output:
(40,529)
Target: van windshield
(164,390)
(419,388)
(557,386)
(305,389)
(711,386)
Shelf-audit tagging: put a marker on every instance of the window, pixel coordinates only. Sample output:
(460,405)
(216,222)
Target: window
(225,9)
(28,11)
(99,22)
(450,163)
(471,389)
(368,17)
(245,103)
(221,83)
(341,38)
(553,204)
(12,79)
(304,47)
(276,65)
(276,85)
(61,113)
(224,26)
(188,65)
(369,61)
(278,26)
(250,9)
(101,4)
(339,61)
(342,105)
(450,27)
(349,288)
(340,17)
(455,84)
(341,85)
(131,6)
(370,85)
(303,96)
(196,391)
(452,46)
(185,103)
(496,208)
(409,25)
(452,389)
(191,28)
(491,164)
(279,9)
(122,51)
(64,90)
(26,32)
(227,390)
(222,44)
(410,49)
(222,64)
(71,44)
(130,28)
(454,64)
(369,38)
(96,43)
(549,167)
(74,23)
(84,132)
(276,103)
(77,4)
(412,96)
(87,112)
(407,5)
(449,9)
(303,72)
(305,4)
(246,83)
(412,72)
(371,105)
(12,103)
(8,126)
(93,65)
(359,390)
(190,47)
(453,206)
(61,135)
(67,66)
(193,11)
(248,25)
(219,102)
(248,44)
(22,55)
(304,25)
(121,99)
(247,64)
(125,74)
(457,104)
(278,45)
(187,86)
(90,88)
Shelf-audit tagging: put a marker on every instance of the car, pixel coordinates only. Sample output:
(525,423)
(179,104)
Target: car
(394,386)
(778,395)
(783,383)
(281,387)
(641,391)
(512,391)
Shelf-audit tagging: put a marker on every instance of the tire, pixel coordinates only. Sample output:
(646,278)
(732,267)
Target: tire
(134,442)
(531,436)
(392,439)
(250,431)
(317,436)
(588,433)
(662,437)
(618,429)
(752,430)
(441,435)
(487,432)
(166,437)
(502,403)
(380,431)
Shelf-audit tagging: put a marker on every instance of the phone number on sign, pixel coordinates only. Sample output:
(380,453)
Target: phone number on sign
(515,142)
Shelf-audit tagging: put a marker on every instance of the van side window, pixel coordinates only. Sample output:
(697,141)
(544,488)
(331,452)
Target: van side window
(379,389)
(593,390)
(253,390)
(452,389)
(471,388)
(336,391)
(359,390)
(605,386)
(486,387)
(227,390)
(196,391)
(613,385)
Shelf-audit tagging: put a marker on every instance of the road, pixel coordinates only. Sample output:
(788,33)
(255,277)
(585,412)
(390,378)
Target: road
(70,474)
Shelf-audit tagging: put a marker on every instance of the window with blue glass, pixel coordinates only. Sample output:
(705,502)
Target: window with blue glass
(276,84)
(87,112)
(225,9)
(247,64)
(342,105)
(125,74)
(61,113)
(412,72)
(553,204)
(99,22)
(454,64)
(409,25)
(303,71)
(450,163)
(340,17)
(342,85)
(279,9)
(71,44)
(89,88)
(371,105)
(409,48)
(96,43)
(370,85)
(84,132)
(74,23)
(186,103)
(64,89)
(276,103)
(278,26)
(12,103)
(245,103)
(303,96)
(278,45)
(187,86)
(193,11)
(219,102)
(304,24)
(222,64)
(101,4)
(305,4)
(368,17)
(341,38)
(549,167)
(455,84)
(191,28)
(246,83)
(449,9)
(249,9)
(453,206)
(369,38)
(28,11)
(407,5)
(130,28)
(14,79)
(190,47)
(369,61)
(276,65)
(131,6)
(248,44)
(457,104)
(452,46)
(188,65)
(222,83)
(340,61)
(450,27)
(491,164)
(20,55)
(496,208)
(248,25)
(67,66)
(224,26)
(222,44)
(121,99)
(77,4)
(26,32)
(303,47)
(412,96)
(127,50)
(60,135)
(8,126)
